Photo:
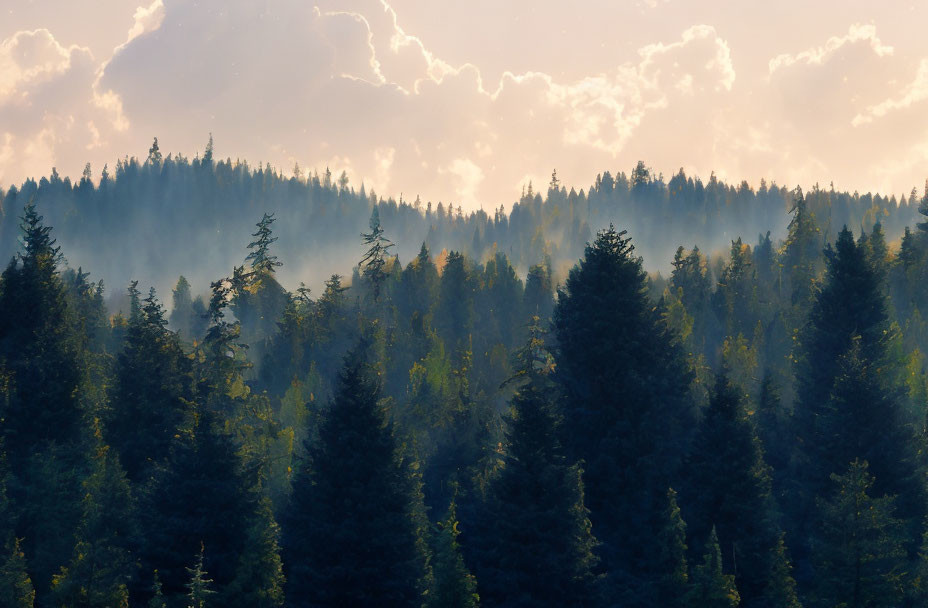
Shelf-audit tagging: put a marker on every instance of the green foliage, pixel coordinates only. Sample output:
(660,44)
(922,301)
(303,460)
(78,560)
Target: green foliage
(157,595)
(353,532)
(671,588)
(211,422)
(203,477)
(781,587)
(729,491)
(860,559)
(16,589)
(711,588)
(199,585)
(38,347)
(453,586)
(627,411)
(259,581)
(375,259)
(537,548)
(103,564)
(153,390)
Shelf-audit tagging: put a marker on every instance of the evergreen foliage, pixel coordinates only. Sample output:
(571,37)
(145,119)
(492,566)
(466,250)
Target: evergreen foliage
(711,588)
(631,441)
(858,562)
(730,493)
(539,550)
(341,546)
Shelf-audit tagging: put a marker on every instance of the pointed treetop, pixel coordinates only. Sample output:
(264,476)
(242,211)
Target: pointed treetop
(154,154)
(199,585)
(262,261)
(38,245)
(373,263)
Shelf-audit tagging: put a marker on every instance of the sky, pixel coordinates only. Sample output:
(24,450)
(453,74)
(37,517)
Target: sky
(467,102)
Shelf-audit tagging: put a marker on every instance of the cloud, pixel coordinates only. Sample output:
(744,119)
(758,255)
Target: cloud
(821,54)
(49,112)
(146,19)
(345,80)
(914,92)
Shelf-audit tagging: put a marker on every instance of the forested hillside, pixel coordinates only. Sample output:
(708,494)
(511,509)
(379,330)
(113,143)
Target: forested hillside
(497,410)
(168,215)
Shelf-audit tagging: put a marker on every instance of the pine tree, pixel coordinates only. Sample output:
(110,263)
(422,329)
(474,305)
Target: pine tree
(262,261)
(540,546)
(626,402)
(671,587)
(153,387)
(846,405)
(774,428)
(259,581)
(16,589)
(374,261)
(154,155)
(538,298)
(802,254)
(259,301)
(202,495)
(38,350)
(182,313)
(199,585)
(711,588)
(42,418)
(157,594)
(860,560)
(729,491)
(781,587)
(103,565)
(454,313)
(453,586)
(353,534)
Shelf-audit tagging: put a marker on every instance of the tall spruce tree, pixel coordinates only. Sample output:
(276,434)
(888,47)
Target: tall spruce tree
(182,313)
(453,586)
(103,563)
(354,532)
(16,590)
(153,387)
(38,349)
(259,301)
(860,561)
(202,495)
(729,492)
(780,591)
(672,585)
(199,586)
(847,407)
(374,261)
(626,404)
(42,416)
(540,550)
(801,255)
(711,588)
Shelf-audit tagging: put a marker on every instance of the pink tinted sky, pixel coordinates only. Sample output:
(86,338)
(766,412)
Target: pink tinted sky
(467,102)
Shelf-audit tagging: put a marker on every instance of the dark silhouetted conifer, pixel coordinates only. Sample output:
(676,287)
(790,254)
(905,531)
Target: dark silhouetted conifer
(353,534)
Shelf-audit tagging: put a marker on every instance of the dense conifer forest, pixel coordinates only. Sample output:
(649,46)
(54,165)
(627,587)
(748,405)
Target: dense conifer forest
(583,401)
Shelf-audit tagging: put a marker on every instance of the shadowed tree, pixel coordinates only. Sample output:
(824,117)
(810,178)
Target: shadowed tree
(538,546)
(354,532)
(626,403)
